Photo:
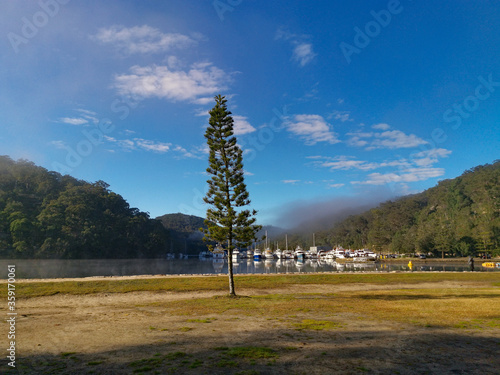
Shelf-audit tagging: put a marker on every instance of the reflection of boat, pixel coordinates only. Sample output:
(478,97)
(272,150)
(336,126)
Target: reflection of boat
(218,265)
(279,254)
(268,264)
(300,265)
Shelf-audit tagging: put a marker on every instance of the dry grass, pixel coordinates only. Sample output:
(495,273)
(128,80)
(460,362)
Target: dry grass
(423,307)
(219,283)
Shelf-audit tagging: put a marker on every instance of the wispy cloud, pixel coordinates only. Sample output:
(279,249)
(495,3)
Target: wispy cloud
(74,120)
(342,116)
(141,39)
(418,167)
(406,175)
(59,144)
(429,157)
(290,182)
(303,51)
(312,129)
(386,139)
(141,144)
(194,85)
(347,163)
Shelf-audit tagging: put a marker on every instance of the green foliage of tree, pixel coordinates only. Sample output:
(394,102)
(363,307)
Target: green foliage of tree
(46,215)
(227,191)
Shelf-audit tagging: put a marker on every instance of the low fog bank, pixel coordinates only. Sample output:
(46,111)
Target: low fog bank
(320,214)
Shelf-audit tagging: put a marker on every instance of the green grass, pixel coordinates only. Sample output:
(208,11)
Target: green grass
(251,352)
(218,283)
(317,325)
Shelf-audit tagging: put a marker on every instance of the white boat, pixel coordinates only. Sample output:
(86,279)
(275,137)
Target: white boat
(236,254)
(218,252)
(299,253)
(279,254)
(249,254)
(268,254)
(257,254)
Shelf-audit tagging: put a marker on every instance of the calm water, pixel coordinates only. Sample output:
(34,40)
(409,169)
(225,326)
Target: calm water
(56,268)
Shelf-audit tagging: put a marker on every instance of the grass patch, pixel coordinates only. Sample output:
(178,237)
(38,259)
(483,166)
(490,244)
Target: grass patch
(422,307)
(227,363)
(188,284)
(186,329)
(317,325)
(94,363)
(67,354)
(252,352)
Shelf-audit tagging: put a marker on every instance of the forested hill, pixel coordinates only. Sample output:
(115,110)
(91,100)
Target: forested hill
(184,233)
(459,216)
(46,215)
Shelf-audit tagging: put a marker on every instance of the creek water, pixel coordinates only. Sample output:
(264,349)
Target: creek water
(64,268)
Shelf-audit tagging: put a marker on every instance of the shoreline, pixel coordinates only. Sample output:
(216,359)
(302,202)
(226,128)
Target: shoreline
(178,276)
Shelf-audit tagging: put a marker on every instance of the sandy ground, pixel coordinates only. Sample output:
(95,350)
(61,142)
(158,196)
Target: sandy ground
(112,333)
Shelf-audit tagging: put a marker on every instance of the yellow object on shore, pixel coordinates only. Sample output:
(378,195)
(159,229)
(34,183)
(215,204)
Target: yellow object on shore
(491,264)
(410,265)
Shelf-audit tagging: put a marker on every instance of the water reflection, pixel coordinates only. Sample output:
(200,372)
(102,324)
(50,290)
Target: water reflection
(56,268)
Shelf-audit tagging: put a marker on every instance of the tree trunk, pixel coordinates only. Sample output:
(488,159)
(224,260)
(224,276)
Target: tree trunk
(230,269)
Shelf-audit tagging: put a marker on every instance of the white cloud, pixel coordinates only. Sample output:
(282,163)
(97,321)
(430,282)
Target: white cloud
(303,53)
(381,127)
(159,81)
(312,129)
(59,144)
(430,157)
(336,186)
(136,144)
(141,39)
(154,146)
(291,182)
(389,139)
(345,163)
(342,116)
(406,175)
(74,120)
(241,125)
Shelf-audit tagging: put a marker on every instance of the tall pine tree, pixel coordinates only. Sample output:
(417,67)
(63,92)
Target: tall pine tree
(226,223)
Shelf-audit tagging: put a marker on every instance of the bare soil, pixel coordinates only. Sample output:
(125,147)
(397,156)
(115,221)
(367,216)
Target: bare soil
(130,333)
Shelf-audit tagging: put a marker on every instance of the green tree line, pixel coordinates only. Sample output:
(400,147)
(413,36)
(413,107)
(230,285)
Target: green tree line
(44,214)
(459,216)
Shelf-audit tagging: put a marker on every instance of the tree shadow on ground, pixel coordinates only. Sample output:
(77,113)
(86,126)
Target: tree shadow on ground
(413,350)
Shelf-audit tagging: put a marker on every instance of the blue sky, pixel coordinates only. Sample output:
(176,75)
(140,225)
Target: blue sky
(332,101)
